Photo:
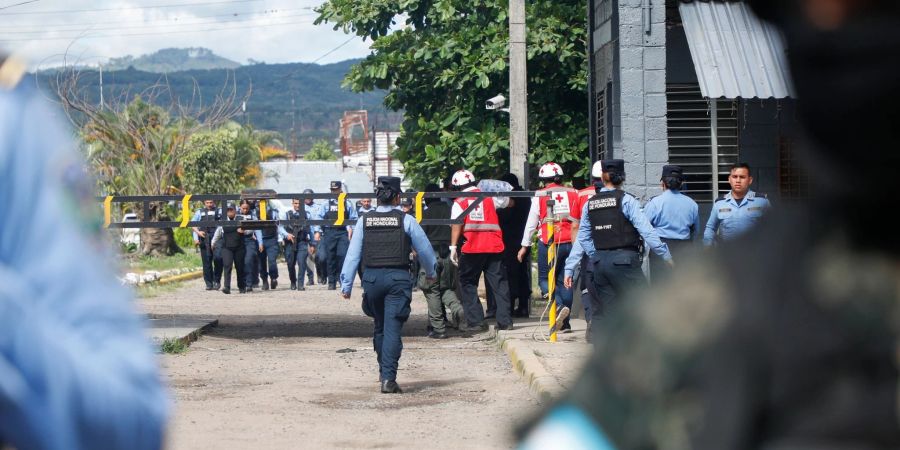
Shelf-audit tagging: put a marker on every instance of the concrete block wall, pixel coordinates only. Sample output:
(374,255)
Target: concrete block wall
(642,108)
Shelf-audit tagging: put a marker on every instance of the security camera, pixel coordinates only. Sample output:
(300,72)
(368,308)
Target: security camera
(495,103)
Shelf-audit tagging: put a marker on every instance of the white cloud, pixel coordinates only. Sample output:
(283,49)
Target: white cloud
(274,31)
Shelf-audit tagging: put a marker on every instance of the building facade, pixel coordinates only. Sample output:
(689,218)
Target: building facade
(703,84)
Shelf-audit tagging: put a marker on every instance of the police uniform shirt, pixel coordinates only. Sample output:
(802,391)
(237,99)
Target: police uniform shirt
(417,238)
(674,215)
(729,218)
(58,387)
(199,215)
(632,210)
(573,262)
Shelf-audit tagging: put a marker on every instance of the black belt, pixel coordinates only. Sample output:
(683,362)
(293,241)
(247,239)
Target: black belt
(404,268)
(630,249)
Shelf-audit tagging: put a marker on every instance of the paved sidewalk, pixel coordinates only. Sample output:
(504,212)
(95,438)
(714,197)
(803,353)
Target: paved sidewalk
(549,368)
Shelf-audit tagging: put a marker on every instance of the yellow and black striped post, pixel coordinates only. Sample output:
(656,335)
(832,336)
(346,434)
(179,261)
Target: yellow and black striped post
(551,275)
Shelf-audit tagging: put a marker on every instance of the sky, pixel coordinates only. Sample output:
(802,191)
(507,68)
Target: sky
(93,31)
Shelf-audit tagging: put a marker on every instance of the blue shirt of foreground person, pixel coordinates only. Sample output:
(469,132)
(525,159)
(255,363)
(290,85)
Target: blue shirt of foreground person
(76,370)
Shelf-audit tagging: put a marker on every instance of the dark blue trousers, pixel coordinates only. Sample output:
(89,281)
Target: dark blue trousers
(388,293)
(268,259)
(615,274)
(295,254)
(251,262)
(336,243)
(562,295)
(212,261)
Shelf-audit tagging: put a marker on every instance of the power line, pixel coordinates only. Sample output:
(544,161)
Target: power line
(78,26)
(18,4)
(131,8)
(88,36)
(334,50)
(205,22)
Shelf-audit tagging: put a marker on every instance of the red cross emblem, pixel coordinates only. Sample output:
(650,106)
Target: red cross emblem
(559,198)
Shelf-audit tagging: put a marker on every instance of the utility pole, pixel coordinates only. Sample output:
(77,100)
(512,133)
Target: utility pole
(101,86)
(293,142)
(518,93)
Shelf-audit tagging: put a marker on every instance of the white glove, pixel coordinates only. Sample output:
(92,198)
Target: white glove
(454,257)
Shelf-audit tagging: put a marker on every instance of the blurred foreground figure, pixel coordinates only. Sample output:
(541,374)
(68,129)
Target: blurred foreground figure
(76,370)
(784,338)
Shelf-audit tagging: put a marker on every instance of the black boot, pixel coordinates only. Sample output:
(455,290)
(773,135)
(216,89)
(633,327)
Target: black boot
(216,286)
(390,387)
(227,290)
(274,283)
(293,285)
(265,285)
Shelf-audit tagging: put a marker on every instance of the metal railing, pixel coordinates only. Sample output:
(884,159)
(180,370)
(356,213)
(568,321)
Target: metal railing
(184,204)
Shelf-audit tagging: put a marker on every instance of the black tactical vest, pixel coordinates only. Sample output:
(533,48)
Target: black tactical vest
(270,231)
(300,232)
(385,243)
(210,216)
(231,237)
(610,229)
(331,212)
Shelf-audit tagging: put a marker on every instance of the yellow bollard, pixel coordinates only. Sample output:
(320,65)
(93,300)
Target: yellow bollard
(263,210)
(551,276)
(419,197)
(342,205)
(185,211)
(107,211)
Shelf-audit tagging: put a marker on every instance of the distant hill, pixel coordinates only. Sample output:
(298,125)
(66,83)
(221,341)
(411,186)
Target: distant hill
(319,99)
(172,60)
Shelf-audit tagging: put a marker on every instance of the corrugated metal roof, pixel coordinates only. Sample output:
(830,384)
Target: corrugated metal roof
(735,53)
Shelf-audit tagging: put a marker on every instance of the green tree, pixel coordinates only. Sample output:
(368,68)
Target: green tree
(137,147)
(450,57)
(212,167)
(321,151)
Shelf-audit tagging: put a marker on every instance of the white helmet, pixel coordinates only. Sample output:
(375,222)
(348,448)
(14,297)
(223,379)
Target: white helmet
(597,170)
(550,170)
(462,178)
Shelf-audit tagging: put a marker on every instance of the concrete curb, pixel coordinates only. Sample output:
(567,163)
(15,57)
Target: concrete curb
(182,277)
(540,383)
(195,335)
(192,333)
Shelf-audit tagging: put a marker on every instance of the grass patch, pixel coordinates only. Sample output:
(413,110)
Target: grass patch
(155,289)
(173,346)
(188,259)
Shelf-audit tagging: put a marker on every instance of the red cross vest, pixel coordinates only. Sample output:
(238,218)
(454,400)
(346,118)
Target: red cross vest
(481,227)
(583,196)
(566,200)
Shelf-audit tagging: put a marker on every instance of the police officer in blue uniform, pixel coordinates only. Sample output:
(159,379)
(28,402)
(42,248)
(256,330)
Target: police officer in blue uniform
(298,244)
(738,210)
(252,246)
(212,260)
(676,218)
(271,245)
(76,370)
(229,242)
(610,232)
(337,238)
(382,243)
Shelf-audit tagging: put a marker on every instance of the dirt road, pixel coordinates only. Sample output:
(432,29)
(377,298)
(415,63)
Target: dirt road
(288,369)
